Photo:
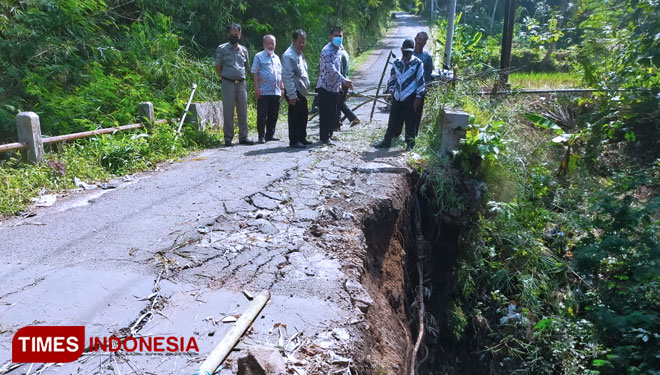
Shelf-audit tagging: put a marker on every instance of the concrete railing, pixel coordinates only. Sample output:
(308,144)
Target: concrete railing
(30,139)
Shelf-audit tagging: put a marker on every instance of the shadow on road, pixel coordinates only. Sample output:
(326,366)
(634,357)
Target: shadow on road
(380,153)
(285,149)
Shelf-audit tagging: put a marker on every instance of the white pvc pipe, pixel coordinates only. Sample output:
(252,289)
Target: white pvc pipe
(225,346)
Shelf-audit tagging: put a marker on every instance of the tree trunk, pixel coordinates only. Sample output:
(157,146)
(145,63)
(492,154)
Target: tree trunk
(560,22)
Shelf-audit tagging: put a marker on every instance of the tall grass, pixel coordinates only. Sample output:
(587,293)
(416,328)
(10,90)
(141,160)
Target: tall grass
(555,80)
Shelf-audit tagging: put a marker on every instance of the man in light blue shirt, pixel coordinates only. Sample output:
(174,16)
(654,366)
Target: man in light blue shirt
(268,88)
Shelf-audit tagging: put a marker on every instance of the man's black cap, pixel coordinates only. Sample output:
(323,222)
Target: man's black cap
(408,45)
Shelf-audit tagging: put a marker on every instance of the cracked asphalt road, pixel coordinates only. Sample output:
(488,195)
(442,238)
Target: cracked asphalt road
(170,251)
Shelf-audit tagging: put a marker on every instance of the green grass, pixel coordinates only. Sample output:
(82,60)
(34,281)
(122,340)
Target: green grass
(544,80)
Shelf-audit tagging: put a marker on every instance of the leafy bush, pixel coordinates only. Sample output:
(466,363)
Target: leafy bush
(81,65)
(558,273)
(619,258)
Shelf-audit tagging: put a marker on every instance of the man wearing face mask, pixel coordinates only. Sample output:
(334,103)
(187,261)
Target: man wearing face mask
(231,64)
(329,85)
(406,84)
(268,88)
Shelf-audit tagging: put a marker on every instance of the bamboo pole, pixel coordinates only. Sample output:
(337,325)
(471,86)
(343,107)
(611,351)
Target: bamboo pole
(380,82)
(91,133)
(356,107)
(225,346)
(74,136)
(13,146)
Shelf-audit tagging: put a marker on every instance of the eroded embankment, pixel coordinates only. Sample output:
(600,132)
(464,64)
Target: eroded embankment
(403,233)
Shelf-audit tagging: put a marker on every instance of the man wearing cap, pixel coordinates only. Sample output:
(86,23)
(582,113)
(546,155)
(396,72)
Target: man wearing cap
(427,60)
(406,84)
(231,64)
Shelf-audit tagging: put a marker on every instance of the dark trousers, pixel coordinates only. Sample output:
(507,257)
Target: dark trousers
(402,111)
(268,108)
(418,115)
(328,112)
(344,108)
(298,120)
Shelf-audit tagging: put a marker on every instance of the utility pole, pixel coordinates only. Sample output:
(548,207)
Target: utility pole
(432,3)
(507,40)
(450,32)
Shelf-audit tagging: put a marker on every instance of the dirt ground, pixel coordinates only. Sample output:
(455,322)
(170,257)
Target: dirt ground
(172,252)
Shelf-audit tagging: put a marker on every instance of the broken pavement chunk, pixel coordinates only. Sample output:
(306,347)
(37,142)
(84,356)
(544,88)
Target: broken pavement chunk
(83,184)
(263,202)
(107,186)
(262,360)
(238,205)
(46,200)
(373,167)
(359,296)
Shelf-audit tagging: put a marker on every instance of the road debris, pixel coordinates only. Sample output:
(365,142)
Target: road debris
(82,184)
(262,360)
(45,200)
(248,295)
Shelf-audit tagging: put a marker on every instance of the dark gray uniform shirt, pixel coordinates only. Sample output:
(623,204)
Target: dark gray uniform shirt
(234,61)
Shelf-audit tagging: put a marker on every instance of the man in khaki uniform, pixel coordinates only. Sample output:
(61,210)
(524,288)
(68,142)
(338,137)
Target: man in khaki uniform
(231,64)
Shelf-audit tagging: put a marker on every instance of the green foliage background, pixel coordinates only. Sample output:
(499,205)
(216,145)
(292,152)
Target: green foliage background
(81,64)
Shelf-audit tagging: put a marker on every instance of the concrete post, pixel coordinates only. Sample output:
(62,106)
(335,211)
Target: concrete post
(195,116)
(205,114)
(454,125)
(29,131)
(146,113)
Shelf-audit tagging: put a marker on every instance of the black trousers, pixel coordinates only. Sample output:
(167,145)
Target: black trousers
(418,115)
(344,108)
(402,111)
(328,112)
(298,120)
(268,108)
